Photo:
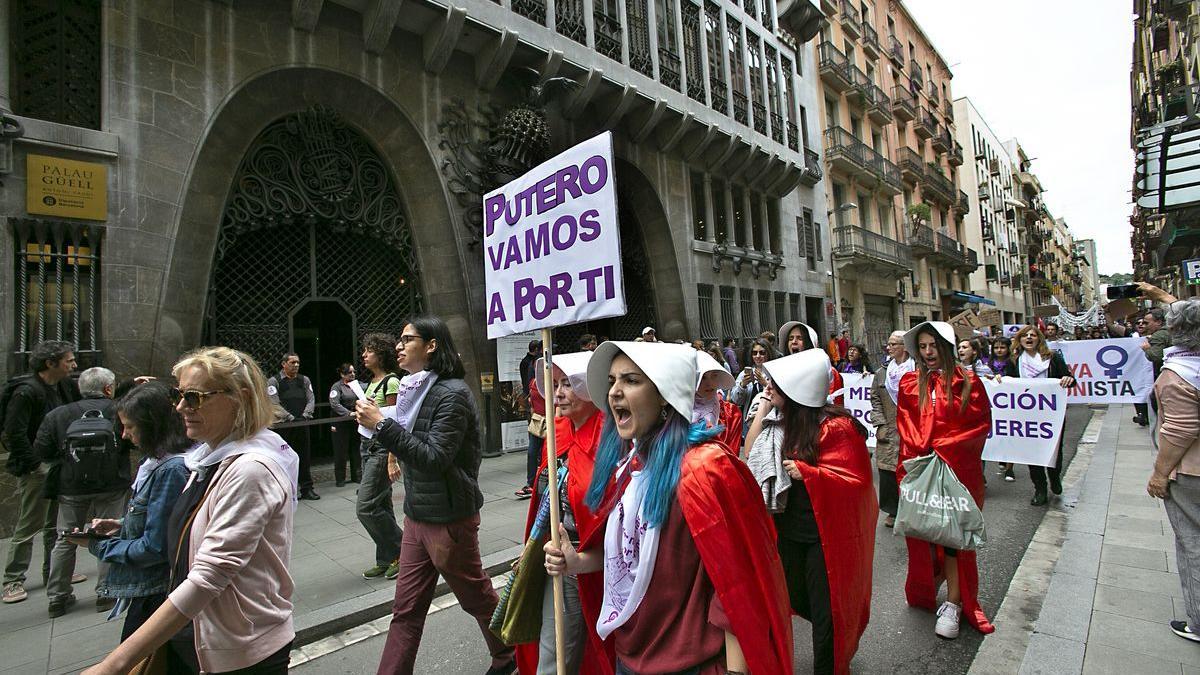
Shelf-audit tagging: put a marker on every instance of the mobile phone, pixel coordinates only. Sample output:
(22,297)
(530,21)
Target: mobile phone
(86,534)
(1124,292)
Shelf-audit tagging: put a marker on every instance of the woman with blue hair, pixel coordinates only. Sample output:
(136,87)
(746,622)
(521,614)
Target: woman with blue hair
(692,579)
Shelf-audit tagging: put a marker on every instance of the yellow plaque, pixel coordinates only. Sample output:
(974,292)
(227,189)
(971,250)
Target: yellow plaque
(65,187)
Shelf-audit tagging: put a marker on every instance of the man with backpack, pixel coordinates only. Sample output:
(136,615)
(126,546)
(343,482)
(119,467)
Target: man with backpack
(24,403)
(89,475)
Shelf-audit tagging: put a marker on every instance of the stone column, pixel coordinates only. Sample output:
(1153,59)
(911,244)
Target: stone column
(5,56)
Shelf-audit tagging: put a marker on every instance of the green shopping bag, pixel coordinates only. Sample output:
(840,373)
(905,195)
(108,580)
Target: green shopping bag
(518,617)
(936,507)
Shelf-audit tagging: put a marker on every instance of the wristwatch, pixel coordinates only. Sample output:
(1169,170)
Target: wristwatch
(379,425)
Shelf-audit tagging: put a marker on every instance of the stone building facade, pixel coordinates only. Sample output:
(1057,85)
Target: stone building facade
(894,207)
(290,175)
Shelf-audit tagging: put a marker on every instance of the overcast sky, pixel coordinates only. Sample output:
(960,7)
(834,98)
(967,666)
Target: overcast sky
(1054,74)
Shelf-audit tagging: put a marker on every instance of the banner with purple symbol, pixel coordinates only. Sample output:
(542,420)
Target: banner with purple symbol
(1027,420)
(552,246)
(857,394)
(1114,370)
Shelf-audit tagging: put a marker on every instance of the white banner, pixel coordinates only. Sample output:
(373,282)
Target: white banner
(857,393)
(1114,370)
(1010,329)
(552,246)
(1027,420)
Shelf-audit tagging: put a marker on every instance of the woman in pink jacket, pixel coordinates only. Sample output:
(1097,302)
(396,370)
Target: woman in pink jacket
(230,535)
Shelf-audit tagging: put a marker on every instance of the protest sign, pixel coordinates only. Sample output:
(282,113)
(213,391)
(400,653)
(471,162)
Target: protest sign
(990,317)
(964,324)
(1027,420)
(1010,329)
(1114,370)
(552,247)
(857,393)
(1120,309)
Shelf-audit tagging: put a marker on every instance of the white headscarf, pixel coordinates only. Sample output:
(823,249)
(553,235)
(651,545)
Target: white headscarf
(895,371)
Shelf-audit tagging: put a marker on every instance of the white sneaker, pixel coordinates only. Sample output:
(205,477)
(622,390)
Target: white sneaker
(947,623)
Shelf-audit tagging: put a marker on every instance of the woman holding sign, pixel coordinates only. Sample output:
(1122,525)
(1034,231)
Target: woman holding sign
(943,408)
(692,579)
(826,529)
(1034,359)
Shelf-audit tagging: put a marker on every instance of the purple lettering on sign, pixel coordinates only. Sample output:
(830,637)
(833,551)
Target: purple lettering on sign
(597,166)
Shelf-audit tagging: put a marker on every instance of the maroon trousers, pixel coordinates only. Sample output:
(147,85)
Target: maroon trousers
(429,549)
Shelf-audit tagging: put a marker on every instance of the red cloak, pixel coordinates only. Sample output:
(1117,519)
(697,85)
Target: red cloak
(735,537)
(843,500)
(836,384)
(957,436)
(579,445)
(731,418)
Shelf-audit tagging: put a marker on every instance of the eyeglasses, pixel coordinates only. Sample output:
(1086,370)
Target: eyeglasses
(405,339)
(192,398)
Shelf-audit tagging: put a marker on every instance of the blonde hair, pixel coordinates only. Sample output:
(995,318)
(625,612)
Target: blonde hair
(1015,350)
(238,375)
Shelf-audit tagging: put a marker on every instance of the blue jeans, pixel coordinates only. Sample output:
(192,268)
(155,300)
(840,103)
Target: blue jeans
(533,459)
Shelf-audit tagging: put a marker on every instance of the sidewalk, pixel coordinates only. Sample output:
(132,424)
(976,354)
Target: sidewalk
(329,553)
(1098,585)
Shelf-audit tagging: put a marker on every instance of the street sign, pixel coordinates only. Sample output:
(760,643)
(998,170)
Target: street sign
(1191,271)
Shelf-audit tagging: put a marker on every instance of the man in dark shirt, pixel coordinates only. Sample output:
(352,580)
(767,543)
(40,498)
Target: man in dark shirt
(49,387)
(294,393)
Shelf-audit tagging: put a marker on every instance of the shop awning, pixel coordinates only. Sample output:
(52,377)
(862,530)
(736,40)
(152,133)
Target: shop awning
(971,297)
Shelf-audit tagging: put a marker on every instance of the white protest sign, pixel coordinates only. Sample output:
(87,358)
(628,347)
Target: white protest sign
(1027,420)
(857,393)
(356,387)
(1010,329)
(1114,370)
(552,246)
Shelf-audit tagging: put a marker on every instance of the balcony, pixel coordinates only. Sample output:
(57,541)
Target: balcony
(925,125)
(851,20)
(846,153)
(887,172)
(964,203)
(948,109)
(881,112)
(858,247)
(904,104)
(941,140)
(949,251)
(812,168)
(922,242)
(956,154)
(935,99)
(870,42)
(917,79)
(937,188)
(895,51)
(834,67)
(793,136)
(861,88)
(912,167)
(970,262)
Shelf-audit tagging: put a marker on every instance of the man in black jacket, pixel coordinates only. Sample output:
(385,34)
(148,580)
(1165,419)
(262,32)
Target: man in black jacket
(101,492)
(294,393)
(49,387)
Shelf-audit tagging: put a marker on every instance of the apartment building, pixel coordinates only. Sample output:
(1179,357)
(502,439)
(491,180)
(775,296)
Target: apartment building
(891,163)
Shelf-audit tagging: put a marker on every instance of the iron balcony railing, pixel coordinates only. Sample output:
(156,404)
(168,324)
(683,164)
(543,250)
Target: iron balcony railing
(941,140)
(956,154)
(904,104)
(964,202)
(834,66)
(950,250)
(925,125)
(861,87)
(896,51)
(885,170)
(812,168)
(917,79)
(939,188)
(911,165)
(851,18)
(851,241)
(842,145)
(922,240)
(870,41)
(793,136)
(881,111)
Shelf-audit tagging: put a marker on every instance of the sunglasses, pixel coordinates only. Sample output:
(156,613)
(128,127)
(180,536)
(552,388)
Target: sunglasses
(192,398)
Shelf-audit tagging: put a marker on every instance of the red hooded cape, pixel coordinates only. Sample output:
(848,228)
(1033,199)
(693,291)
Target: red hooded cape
(957,437)
(579,446)
(836,384)
(731,418)
(844,505)
(735,537)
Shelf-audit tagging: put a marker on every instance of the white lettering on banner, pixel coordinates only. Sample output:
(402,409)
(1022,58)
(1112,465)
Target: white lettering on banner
(1114,370)
(857,393)
(1027,420)
(552,246)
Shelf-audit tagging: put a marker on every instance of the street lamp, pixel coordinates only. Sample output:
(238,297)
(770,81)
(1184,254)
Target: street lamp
(837,299)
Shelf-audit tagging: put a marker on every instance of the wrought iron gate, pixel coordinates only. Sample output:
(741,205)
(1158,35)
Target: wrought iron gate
(313,214)
(879,319)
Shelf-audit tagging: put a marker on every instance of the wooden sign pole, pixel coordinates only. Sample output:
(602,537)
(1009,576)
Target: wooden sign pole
(552,485)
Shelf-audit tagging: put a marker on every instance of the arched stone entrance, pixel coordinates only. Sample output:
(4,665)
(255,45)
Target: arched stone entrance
(313,215)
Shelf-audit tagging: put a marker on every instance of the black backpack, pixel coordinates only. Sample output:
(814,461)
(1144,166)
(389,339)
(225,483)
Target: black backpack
(6,394)
(91,457)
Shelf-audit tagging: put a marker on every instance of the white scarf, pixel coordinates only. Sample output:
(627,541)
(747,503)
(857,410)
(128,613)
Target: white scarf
(630,549)
(708,410)
(765,461)
(413,389)
(144,470)
(895,371)
(266,444)
(1033,365)
(1183,363)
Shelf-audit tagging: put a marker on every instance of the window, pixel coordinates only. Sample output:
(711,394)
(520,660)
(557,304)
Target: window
(885,219)
(665,16)
(699,207)
(718,98)
(720,217)
(839,198)
(832,118)
(739,216)
(773,233)
(864,209)
(780,308)
(58,284)
(737,75)
(692,39)
(748,329)
(729,325)
(57,60)
(764,310)
(756,222)
(704,297)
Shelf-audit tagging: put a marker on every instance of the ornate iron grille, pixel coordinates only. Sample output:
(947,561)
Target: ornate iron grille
(780,308)
(668,44)
(637,14)
(608,29)
(729,324)
(56,60)
(313,214)
(668,68)
(708,326)
(57,284)
(568,20)
(753,42)
(764,310)
(748,329)
(534,10)
(718,98)
(692,39)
